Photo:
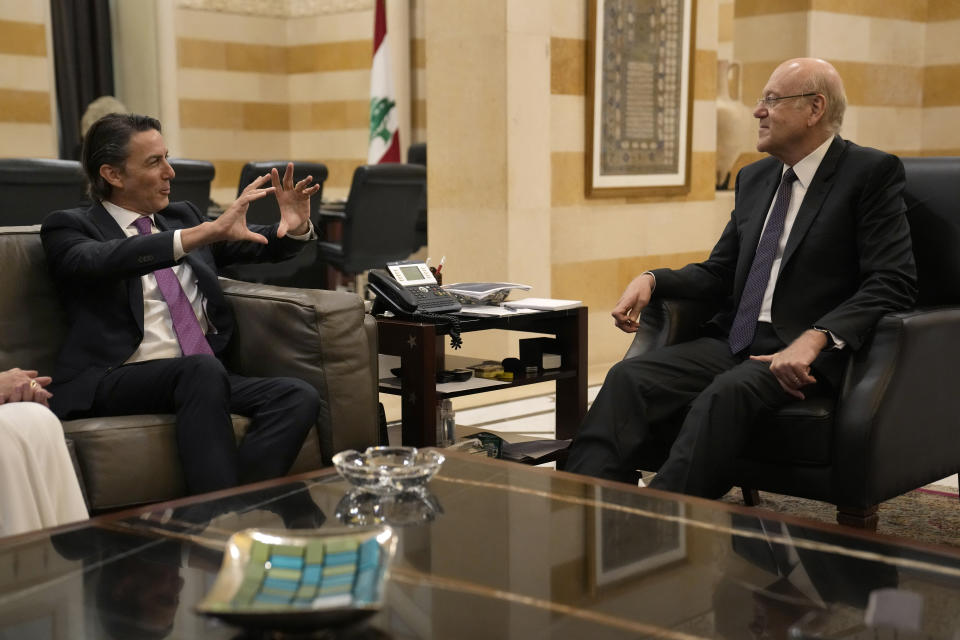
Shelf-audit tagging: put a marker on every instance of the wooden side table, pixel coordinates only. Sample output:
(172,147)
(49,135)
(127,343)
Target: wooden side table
(421,350)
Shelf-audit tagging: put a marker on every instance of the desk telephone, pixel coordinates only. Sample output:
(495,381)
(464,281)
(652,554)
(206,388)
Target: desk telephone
(408,288)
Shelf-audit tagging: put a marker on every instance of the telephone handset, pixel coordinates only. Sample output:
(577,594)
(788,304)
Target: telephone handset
(408,288)
(390,295)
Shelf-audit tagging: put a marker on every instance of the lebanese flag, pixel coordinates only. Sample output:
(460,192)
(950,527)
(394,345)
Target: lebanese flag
(384,137)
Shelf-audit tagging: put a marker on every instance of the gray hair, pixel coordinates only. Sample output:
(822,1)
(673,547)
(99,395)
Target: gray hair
(831,87)
(99,108)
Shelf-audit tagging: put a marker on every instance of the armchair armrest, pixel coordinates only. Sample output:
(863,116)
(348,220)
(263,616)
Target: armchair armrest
(899,403)
(323,337)
(667,321)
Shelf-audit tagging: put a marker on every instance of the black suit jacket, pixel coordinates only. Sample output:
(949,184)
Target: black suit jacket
(847,262)
(97,270)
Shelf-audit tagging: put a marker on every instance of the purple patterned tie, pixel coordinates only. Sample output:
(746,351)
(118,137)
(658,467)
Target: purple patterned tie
(185,323)
(745,323)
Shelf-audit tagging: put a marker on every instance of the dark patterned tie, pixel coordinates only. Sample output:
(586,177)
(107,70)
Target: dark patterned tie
(745,323)
(185,323)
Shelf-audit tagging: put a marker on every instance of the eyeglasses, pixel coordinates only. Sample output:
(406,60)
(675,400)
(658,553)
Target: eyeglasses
(770,101)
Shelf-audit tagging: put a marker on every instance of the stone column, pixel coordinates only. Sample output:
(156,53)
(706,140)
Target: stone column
(488,139)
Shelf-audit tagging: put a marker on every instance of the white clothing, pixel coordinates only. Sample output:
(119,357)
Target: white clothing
(38,485)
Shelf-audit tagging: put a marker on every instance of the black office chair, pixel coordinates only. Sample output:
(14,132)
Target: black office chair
(30,188)
(265,210)
(192,182)
(379,218)
(417,154)
(892,428)
(305,270)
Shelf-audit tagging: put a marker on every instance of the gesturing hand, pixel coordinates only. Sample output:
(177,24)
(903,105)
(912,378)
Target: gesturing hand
(18,385)
(232,223)
(294,201)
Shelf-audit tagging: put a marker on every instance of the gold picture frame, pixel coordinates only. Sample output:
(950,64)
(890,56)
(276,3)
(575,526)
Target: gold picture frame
(640,57)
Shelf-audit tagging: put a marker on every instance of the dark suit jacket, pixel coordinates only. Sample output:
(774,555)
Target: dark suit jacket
(848,260)
(97,270)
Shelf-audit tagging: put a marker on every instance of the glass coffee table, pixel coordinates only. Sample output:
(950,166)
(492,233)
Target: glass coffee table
(495,550)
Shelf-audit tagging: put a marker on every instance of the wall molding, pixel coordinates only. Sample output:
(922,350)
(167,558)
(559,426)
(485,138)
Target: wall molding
(279,8)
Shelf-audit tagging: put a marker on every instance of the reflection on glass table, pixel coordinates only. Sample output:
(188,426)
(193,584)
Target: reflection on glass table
(404,509)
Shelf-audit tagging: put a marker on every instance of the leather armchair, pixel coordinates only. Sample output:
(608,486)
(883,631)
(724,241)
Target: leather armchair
(323,337)
(892,428)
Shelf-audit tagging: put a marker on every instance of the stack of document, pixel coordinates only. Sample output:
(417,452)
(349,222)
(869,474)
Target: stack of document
(483,292)
(542,304)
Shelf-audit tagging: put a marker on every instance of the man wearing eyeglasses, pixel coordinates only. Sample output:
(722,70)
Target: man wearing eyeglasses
(817,249)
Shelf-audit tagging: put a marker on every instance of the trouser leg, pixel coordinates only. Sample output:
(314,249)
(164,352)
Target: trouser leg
(196,389)
(638,392)
(716,429)
(282,412)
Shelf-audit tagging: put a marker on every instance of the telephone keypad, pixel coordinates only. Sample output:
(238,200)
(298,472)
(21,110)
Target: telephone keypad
(431,297)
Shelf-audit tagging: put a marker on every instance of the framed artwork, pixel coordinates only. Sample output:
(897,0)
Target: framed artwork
(639,97)
(626,545)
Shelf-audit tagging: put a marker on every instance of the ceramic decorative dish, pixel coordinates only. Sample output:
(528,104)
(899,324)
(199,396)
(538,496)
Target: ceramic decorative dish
(388,470)
(301,580)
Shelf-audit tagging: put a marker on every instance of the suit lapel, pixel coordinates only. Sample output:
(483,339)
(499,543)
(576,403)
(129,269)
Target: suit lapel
(105,223)
(813,200)
(206,277)
(112,231)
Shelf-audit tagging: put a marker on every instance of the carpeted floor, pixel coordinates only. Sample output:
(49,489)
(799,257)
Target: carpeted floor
(929,515)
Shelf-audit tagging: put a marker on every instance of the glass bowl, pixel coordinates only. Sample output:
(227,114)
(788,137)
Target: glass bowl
(388,470)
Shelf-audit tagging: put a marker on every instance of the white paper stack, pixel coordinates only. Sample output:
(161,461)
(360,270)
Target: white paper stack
(543,304)
(483,292)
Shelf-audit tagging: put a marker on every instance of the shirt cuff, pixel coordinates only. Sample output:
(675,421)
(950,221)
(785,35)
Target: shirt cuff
(309,235)
(836,342)
(178,251)
(650,273)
